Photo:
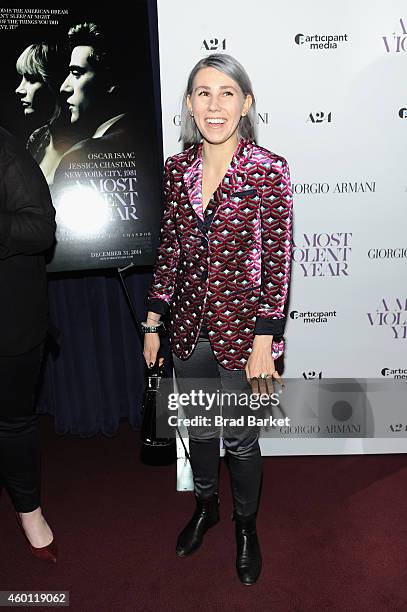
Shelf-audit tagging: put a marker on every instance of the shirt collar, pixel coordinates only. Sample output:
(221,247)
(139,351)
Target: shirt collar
(102,129)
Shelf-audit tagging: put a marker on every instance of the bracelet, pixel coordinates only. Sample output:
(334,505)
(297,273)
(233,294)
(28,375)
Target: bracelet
(149,329)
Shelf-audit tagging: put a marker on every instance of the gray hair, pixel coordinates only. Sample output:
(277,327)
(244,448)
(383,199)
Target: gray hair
(232,68)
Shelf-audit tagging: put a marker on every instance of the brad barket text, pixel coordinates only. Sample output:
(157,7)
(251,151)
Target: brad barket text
(249,420)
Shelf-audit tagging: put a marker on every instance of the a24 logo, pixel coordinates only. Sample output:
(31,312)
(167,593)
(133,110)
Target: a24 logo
(213,44)
(312,375)
(320,117)
(398,427)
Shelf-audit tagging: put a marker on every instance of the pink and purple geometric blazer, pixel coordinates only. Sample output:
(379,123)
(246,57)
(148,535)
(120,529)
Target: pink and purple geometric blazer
(229,266)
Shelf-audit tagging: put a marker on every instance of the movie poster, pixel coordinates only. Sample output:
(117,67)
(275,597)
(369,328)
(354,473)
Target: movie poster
(77,89)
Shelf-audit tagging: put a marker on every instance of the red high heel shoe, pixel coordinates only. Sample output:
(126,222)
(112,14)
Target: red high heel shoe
(45,553)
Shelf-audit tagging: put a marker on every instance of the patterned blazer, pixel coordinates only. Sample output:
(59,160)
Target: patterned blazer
(230,265)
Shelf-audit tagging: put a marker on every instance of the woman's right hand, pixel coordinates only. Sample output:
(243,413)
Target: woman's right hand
(151,348)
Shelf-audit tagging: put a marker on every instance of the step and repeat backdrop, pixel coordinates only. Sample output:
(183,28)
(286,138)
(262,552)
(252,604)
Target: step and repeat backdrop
(331,91)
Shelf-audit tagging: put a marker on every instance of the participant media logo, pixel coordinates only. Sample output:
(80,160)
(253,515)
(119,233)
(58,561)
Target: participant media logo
(312,317)
(403,113)
(391,314)
(396,373)
(316,42)
(323,254)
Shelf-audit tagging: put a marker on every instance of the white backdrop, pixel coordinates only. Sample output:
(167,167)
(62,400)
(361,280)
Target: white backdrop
(339,116)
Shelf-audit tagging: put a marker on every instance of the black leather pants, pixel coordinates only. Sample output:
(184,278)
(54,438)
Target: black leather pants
(241,443)
(20,459)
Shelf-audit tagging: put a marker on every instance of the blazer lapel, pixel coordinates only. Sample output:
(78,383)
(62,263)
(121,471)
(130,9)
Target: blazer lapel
(233,180)
(193,180)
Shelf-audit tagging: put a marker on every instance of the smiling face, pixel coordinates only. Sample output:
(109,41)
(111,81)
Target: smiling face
(32,91)
(217,103)
(81,84)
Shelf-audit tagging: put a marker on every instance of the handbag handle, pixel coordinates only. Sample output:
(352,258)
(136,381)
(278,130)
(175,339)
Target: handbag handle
(157,372)
(156,369)
(183,444)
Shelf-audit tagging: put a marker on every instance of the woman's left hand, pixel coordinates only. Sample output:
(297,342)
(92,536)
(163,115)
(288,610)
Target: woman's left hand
(261,362)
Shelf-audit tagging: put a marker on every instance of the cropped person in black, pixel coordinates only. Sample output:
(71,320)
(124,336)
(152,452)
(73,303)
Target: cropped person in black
(27,228)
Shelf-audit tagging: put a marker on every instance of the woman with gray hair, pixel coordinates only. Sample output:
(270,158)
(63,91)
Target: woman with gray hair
(222,270)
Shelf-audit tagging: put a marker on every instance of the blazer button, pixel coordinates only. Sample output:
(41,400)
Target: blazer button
(204,275)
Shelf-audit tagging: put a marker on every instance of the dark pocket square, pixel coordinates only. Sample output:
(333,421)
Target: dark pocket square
(244,193)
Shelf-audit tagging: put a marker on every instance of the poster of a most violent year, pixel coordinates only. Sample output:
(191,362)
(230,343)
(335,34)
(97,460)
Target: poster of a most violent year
(77,90)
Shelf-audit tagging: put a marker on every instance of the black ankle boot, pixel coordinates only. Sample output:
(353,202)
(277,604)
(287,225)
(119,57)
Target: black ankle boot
(248,558)
(205,516)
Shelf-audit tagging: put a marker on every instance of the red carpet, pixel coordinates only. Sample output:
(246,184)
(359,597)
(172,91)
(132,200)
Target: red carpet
(332,531)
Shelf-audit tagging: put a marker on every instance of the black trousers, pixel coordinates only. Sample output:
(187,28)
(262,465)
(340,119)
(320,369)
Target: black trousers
(20,459)
(241,443)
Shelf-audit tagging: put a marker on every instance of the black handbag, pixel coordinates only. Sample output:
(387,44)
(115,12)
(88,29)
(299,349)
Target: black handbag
(154,450)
